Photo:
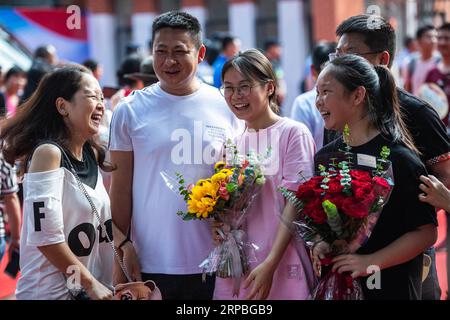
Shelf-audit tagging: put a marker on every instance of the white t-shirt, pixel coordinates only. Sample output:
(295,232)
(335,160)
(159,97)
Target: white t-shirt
(304,110)
(170,134)
(420,70)
(56,210)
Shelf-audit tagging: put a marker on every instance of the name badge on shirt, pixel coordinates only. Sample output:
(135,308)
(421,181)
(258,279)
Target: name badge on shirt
(214,133)
(366,160)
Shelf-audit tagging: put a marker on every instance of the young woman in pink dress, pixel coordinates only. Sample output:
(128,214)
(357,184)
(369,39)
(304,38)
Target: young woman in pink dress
(282,269)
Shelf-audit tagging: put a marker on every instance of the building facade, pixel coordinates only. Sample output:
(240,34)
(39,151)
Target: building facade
(297,24)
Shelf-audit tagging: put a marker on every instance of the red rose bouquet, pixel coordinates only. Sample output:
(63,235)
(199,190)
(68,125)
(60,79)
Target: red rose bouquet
(341,206)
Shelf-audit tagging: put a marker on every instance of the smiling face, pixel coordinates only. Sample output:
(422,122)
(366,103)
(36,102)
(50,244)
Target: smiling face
(84,112)
(428,41)
(247,99)
(334,103)
(16,83)
(175,60)
(444,42)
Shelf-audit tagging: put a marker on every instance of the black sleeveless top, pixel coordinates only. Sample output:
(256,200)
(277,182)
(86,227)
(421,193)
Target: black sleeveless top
(87,169)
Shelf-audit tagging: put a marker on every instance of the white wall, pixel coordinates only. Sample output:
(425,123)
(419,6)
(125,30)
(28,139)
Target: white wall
(101,31)
(292,31)
(141,24)
(200,13)
(411,18)
(241,19)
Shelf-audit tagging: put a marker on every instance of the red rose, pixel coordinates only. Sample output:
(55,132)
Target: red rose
(318,191)
(355,208)
(304,193)
(310,189)
(361,189)
(360,175)
(314,210)
(334,186)
(381,187)
(337,199)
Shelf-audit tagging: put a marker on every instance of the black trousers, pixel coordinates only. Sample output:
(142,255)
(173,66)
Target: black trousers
(430,287)
(447,245)
(183,287)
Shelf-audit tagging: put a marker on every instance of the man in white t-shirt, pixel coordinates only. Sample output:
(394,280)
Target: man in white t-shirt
(176,125)
(416,69)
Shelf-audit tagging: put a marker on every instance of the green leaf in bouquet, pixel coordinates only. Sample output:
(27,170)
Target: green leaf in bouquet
(302,177)
(385,152)
(332,163)
(377,204)
(292,197)
(383,161)
(333,218)
(186,216)
(180,179)
(346,132)
(260,180)
(231,187)
(220,204)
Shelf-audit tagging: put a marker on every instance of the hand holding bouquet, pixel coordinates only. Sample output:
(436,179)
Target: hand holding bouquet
(337,211)
(226,197)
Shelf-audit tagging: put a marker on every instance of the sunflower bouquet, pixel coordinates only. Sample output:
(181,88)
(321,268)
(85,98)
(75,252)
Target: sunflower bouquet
(226,197)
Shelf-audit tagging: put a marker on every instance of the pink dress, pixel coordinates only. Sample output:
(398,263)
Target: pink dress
(292,151)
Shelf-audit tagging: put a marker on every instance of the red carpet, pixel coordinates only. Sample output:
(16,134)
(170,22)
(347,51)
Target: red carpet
(441,255)
(8,285)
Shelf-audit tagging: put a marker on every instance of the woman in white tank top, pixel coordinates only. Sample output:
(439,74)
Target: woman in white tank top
(65,248)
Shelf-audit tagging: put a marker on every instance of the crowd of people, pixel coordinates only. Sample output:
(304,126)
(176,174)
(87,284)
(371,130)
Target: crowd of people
(94,200)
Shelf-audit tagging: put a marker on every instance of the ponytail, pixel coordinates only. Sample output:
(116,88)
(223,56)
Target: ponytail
(273,103)
(389,117)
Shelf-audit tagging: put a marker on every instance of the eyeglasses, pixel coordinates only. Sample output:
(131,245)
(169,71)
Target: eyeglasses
(243,91)
(335,55)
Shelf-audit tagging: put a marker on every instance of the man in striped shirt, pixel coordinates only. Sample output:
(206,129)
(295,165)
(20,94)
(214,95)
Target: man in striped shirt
(10,205)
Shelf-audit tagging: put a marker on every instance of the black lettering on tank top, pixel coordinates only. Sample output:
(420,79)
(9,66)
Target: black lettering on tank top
(38,215)
(101,235)
(75,243)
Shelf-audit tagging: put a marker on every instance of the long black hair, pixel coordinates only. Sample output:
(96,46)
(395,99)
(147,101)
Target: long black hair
(381,99)
(37,119)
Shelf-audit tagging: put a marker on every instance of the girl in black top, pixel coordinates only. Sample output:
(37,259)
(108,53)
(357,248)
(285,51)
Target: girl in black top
(352,91)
